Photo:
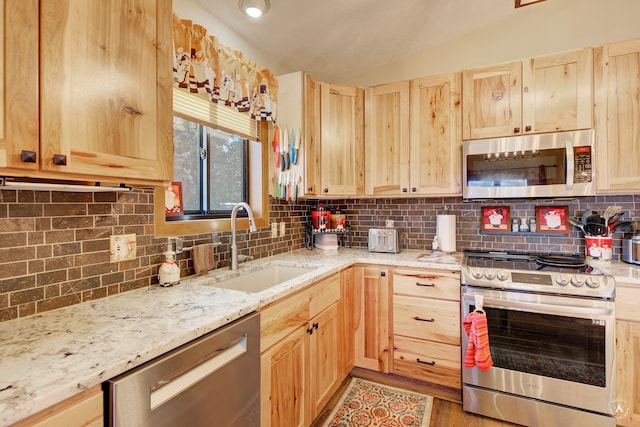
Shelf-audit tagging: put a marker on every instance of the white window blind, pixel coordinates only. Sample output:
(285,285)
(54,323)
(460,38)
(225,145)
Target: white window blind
(197,108)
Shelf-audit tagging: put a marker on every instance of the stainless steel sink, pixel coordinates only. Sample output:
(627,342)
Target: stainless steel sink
(259,280)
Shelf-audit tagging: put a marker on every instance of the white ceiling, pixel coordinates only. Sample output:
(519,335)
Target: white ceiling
(335,40)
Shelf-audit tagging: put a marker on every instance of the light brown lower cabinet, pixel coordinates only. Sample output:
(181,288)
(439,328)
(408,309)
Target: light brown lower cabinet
(82,410)
(372,296)
(300,363)
(426,325)
(627,359)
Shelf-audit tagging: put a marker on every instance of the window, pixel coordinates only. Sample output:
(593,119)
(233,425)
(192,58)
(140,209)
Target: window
(258,195)
(213,167)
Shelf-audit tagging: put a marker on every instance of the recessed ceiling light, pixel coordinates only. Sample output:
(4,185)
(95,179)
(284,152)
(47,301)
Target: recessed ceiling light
(254,8)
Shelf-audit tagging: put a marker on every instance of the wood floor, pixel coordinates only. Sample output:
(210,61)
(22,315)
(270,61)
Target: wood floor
(445,412)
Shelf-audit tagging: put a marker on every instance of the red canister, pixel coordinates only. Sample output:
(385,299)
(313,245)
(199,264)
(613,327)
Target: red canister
(321,217)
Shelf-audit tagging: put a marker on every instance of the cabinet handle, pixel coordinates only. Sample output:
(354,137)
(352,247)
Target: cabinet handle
(516,130)
(424,320)
(310,330)
(432,363)
(383,273)
(527,128)
(413,189)
(404,190)
(309,188)
(428,285)
(60,159)
(28,156)
(315,326)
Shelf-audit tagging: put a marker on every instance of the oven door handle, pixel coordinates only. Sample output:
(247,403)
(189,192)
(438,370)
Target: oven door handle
(547,308)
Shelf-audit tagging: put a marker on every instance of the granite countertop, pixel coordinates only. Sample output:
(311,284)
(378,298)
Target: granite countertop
(49,357)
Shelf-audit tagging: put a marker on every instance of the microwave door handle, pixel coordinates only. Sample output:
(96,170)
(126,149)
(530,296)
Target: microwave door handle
(545,308)
(570,164)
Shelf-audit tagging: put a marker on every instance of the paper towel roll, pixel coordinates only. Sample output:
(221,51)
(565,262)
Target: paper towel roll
(446,232)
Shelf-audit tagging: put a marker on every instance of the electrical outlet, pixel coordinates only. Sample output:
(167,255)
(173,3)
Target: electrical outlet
(274,229)
(122,247)
(282,228)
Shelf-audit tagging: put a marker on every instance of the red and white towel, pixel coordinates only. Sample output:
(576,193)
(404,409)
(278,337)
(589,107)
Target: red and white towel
(478,352)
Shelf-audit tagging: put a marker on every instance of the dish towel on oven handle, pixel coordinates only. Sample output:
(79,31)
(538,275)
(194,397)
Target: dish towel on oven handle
(478,351)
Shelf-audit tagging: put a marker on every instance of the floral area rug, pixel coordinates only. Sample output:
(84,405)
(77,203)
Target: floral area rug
(365,403)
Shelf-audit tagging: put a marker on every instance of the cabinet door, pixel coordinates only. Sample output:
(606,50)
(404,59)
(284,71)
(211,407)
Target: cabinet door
(342,136)
(106,88)
(435,135)
(324,368)
(82,410)
(312,144)
(283,369)
(19,84)
(371,317)
(557,92)
(347,327)
(387,136)
(492,101)
(617,94)
(627,373)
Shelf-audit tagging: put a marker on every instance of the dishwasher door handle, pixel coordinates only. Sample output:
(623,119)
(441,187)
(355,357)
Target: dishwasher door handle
(172,385)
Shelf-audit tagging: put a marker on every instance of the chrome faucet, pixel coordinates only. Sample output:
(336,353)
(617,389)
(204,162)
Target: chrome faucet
(252,228)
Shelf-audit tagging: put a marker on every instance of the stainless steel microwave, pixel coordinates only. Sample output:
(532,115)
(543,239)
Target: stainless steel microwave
(557,164)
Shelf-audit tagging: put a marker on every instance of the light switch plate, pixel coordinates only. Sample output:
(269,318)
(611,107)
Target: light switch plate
(282,228)
(122,247)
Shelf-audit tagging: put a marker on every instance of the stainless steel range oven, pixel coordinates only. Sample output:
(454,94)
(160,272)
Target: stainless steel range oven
(551,331)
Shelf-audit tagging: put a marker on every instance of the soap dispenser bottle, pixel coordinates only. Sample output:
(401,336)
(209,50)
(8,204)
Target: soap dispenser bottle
(169,272)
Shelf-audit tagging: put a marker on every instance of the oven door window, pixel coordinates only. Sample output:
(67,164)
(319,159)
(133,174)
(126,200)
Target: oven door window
(566,348)
(517,169)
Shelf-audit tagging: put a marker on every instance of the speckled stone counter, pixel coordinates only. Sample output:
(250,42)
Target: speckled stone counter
(47,358)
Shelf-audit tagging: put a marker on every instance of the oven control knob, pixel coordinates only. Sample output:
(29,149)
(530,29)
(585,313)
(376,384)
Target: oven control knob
(562,280)
(577,281)
(490,274)
(592,282)
(477,274)
(502,275)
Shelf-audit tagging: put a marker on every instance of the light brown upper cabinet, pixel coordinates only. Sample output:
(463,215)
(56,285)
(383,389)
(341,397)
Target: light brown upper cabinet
(543,94)
(299,108)
(413,139)
(342,140)
(435,135)
(330,119)
(19,86)
(104,88)
(617,102)
(106,74)
(387,138)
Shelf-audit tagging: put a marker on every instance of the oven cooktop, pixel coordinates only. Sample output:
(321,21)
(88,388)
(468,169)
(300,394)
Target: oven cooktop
(536,272)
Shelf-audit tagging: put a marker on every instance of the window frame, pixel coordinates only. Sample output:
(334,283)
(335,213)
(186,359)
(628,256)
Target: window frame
(258,197)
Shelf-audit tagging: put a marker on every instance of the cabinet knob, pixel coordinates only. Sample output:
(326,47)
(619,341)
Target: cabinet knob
(383,273)
(60,159)
(413,189)
(28,156)
(309,188)
(404,190)
(326,190)
(516,130)
(527,128)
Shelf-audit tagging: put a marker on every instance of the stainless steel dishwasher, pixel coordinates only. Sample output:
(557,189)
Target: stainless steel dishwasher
(211,381)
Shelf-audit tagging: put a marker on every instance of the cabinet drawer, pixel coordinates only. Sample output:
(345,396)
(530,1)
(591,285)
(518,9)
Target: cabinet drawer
(279,320)
(627,300)
(427,361)
(428,319)
(427,283)
(323,294)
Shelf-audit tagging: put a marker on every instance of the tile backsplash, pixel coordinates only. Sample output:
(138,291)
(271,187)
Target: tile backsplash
(54,249)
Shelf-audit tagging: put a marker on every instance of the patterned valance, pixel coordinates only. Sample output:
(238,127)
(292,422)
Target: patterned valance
(224,76)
